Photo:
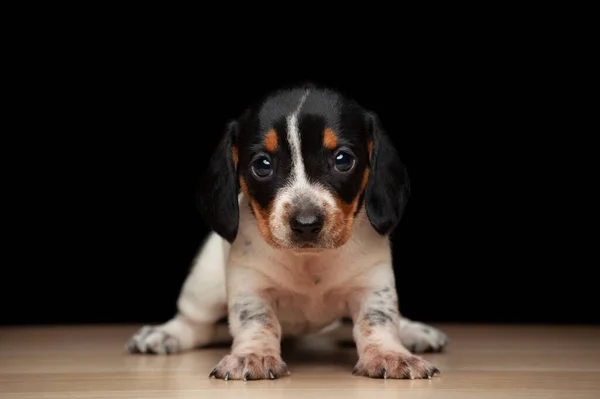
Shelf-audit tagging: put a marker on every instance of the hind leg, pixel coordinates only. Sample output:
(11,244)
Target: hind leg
(420,337)
(201,304)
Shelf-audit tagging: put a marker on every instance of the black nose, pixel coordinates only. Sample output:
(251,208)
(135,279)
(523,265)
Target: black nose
(306,226)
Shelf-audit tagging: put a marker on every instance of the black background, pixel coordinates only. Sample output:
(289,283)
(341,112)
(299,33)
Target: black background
(113,140)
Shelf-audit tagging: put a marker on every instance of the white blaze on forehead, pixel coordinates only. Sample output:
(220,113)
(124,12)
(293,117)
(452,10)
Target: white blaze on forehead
(298,184)
(293,135)
(298,189)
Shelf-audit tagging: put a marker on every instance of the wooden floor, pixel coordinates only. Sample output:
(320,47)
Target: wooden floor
(480,362)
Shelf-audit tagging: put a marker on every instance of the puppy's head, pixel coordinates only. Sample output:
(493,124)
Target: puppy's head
(307,159)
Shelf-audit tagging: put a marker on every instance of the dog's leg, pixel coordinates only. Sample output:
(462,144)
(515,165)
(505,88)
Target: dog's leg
(201,303)
(255,353)
(376,332)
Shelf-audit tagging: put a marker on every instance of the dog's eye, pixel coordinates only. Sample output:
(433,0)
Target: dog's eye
(344,161)
(262,167)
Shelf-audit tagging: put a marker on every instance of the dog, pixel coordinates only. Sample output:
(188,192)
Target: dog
(301,195)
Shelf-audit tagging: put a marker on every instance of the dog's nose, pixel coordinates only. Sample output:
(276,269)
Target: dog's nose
(306,225)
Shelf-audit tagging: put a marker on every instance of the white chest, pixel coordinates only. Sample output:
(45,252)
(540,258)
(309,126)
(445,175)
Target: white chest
(309,303)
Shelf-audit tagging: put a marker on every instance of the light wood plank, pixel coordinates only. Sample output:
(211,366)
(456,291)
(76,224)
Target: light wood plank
(480,362)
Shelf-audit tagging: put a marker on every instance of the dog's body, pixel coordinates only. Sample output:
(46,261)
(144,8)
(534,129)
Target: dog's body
(302,195)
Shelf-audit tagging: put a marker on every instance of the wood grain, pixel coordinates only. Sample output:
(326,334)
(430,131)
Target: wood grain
(480,362)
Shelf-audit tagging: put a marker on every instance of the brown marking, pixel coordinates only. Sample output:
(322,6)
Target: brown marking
(365,328)
(262,215)
(267,351)
(365,180)
(234,156)
(342,219)
(329,139)
(244,187)
(270,141)
(370,349)
(370,146)
(270,327)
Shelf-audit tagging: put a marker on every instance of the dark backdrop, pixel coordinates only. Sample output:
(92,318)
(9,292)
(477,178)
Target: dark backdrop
(113,142)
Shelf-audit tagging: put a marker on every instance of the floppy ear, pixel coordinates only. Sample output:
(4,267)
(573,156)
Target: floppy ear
(388,187)
(217,194)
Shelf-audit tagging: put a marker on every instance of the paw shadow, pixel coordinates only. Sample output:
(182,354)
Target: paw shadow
(319,352)
(218,345)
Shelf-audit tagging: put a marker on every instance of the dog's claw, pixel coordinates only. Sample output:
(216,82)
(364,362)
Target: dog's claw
(385,374)
(213,373)
(271,374)
(246,375)
(227,376)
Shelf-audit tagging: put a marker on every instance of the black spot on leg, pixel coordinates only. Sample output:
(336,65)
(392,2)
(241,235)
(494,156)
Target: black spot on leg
(248,310)
(383,292)
(378,317)
(261,317)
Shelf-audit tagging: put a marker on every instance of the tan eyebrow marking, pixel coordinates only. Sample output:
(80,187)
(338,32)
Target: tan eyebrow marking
(329,139)
(271,140)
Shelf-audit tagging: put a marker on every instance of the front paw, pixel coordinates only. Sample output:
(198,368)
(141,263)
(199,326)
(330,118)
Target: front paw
(250,367)
(382,364)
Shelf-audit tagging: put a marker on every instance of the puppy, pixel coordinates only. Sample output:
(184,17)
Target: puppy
(301,194)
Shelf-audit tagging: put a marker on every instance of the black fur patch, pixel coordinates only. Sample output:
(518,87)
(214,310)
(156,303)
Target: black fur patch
(248,310)
(247,316)
(220,181)
(377,317)
(383,292)
(388,188)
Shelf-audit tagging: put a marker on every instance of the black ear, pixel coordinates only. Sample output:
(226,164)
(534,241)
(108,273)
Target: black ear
(217,194)
(388,187)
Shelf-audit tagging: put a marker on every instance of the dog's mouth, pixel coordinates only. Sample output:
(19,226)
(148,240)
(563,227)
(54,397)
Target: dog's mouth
(323,242)
(307,246)
(320,244)
(314,250)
